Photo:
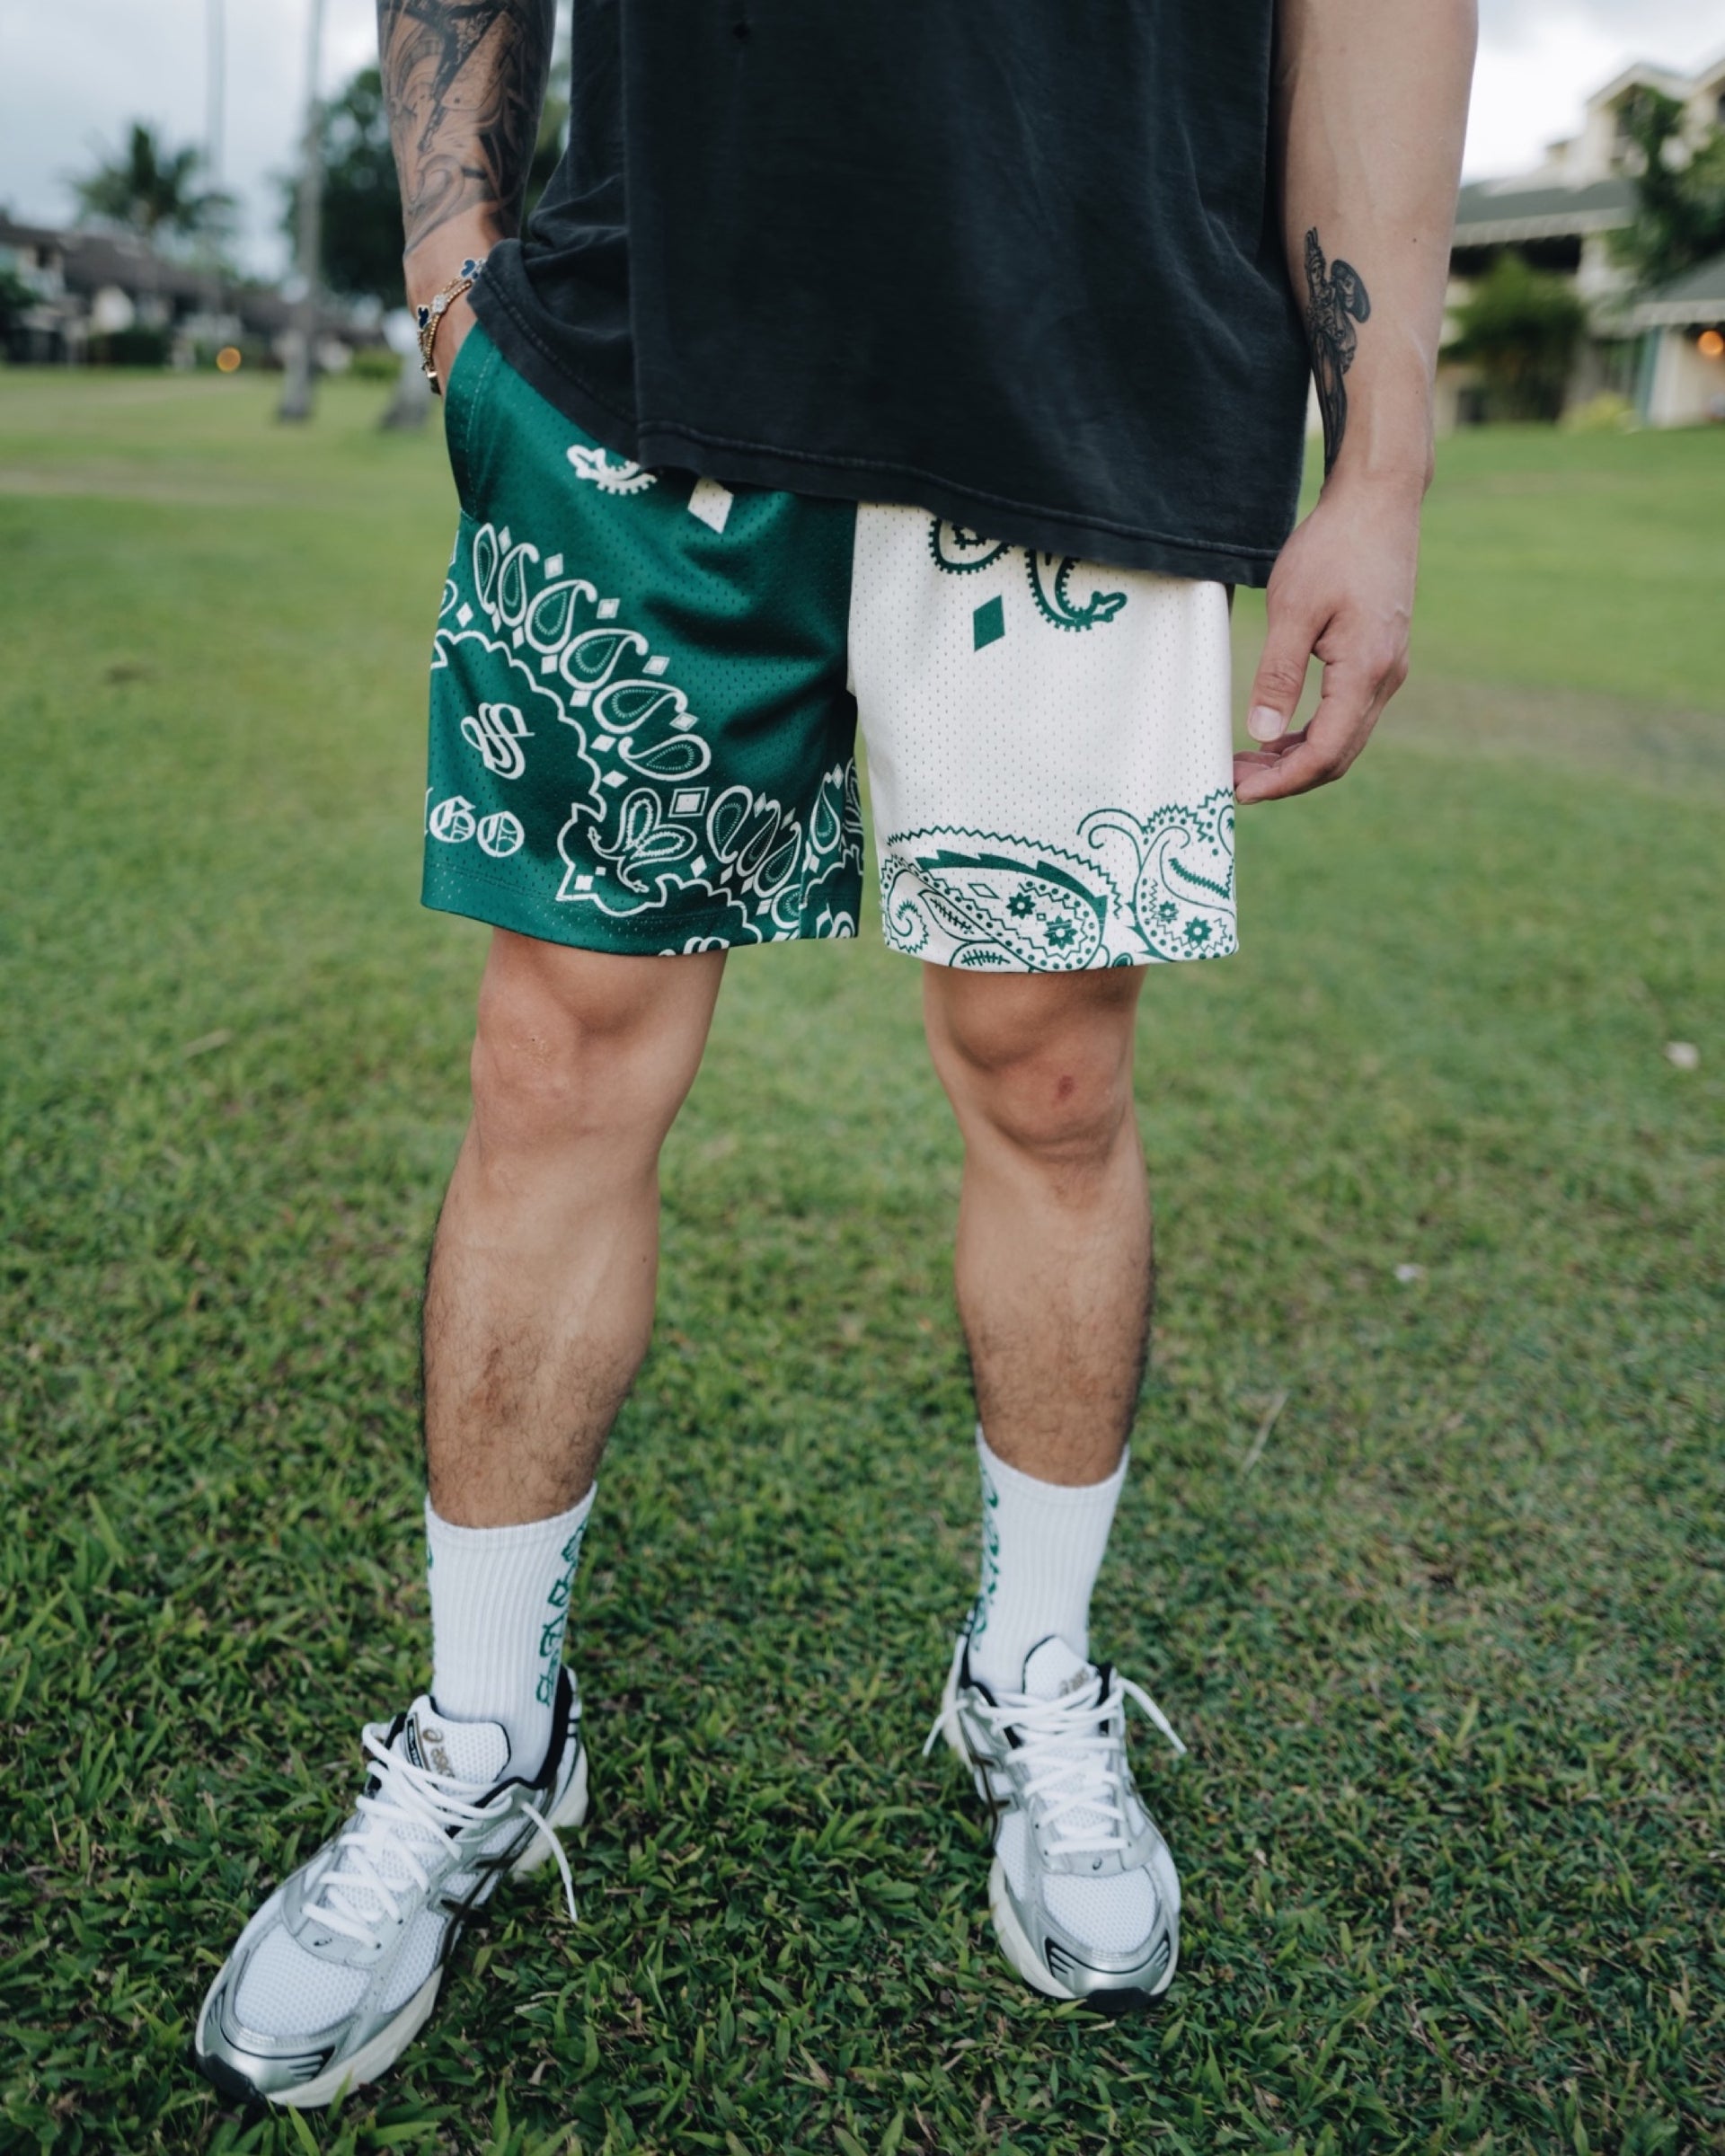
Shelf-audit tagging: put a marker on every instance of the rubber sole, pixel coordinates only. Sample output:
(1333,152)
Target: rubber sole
(367,2063)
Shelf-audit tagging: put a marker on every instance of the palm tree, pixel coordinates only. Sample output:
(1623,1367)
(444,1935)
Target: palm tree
(151,192)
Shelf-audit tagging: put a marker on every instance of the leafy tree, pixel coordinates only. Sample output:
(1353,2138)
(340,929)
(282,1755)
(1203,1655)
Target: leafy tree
(362,202)
(1680,201)
(151,191)
(16,299)
(1522,327)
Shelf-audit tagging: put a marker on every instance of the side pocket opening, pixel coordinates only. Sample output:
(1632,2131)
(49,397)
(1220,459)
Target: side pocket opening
(473,364)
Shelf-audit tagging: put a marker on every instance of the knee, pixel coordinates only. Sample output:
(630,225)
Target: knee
(1043,1067)
(574,1046)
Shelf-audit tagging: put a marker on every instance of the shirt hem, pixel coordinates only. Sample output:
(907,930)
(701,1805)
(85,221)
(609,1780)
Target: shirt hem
(657,443)
(1027,524)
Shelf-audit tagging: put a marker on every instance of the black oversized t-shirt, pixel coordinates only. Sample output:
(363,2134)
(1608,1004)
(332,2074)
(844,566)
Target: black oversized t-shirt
(1017,261)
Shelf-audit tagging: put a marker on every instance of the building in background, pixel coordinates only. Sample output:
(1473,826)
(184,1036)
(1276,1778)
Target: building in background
(1681,328)
(99,295)
(108,294)
(1665,351)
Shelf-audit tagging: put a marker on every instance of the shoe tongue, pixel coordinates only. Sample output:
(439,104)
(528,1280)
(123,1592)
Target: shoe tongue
(470,1752)
(1052,1667)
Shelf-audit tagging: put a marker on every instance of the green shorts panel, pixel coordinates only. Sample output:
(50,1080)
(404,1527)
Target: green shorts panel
(642,736)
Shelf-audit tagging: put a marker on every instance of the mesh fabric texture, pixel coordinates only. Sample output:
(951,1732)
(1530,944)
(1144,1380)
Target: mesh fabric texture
(286,1992)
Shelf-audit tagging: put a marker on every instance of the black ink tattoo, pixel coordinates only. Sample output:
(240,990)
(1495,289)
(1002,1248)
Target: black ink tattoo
(463,81)
(1336,299)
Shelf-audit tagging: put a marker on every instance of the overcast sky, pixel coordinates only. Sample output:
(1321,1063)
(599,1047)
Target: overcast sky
(75,73)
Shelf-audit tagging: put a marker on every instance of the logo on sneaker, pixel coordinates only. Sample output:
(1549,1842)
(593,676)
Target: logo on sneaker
(307,2066)
(424,1746)
(1063,1963)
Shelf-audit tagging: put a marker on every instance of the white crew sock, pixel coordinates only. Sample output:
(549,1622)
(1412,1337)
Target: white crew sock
(1042,1545)
(500,1601)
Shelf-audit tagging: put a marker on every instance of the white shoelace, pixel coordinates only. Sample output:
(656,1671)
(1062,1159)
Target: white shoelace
(1076,1768)
(411,1808)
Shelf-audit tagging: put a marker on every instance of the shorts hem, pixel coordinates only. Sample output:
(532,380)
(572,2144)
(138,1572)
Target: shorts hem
(955,960)
(643,936)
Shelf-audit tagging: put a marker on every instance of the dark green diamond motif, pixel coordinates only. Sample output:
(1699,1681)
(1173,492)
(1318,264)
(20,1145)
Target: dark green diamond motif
(988,623)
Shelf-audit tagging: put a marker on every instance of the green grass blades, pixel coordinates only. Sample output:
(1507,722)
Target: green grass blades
(1422,1548)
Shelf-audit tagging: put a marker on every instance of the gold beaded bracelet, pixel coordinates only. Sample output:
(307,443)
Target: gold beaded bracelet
(432,312)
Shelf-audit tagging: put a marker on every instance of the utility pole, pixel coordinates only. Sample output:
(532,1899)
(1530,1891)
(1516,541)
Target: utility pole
(297,390)
(215,89)
(215,98)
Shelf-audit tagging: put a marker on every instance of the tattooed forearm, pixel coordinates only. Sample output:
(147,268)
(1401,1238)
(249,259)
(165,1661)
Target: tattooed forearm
(463,81)
(1336,299)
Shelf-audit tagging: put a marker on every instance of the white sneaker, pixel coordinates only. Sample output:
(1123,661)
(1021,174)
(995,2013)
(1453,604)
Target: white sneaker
(1083,1893)
(339,1971)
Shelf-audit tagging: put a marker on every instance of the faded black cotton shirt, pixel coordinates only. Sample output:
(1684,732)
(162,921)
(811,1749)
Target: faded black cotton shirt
(1016,261)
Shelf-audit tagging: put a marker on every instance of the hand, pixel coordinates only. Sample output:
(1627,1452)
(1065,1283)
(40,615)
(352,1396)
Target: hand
(1341,591)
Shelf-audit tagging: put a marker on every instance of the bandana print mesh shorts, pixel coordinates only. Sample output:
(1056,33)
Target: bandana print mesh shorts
(646,689)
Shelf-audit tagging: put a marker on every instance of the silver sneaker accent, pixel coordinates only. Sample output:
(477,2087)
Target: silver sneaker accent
(1050,1763)
(420,1854)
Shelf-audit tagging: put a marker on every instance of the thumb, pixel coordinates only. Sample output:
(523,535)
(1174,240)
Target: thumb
(1276,685)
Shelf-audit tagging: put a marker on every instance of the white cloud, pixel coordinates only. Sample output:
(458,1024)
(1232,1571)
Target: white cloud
(1530,93)
(78,75)
(1677,33)
(1540,60)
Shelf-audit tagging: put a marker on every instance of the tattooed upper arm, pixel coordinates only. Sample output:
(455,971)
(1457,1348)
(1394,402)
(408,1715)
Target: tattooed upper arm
(1336,300)
(463,81)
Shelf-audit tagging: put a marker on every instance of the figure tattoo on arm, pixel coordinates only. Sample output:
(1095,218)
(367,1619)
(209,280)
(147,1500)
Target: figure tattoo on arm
(464,82)
(1336,300)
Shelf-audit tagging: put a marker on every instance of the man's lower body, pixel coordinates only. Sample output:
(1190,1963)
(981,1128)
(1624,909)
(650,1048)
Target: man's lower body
(645,693)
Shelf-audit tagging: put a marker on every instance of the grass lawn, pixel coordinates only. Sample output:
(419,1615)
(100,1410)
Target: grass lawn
(1427,1570)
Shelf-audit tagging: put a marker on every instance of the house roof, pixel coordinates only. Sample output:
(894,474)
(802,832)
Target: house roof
(1698,295)
(1638,74)
(1492,211)
(90,260)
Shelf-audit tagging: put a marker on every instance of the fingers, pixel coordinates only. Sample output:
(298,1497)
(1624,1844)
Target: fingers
(1296,766)
(1353,697)
(1250,766)
(1342,593)
(1280,679)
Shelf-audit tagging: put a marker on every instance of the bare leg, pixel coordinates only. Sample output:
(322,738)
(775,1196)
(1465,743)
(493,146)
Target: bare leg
(539,1305)
(1053,1264)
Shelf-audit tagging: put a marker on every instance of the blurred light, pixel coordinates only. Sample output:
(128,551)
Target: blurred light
(228,358)
(1709,344)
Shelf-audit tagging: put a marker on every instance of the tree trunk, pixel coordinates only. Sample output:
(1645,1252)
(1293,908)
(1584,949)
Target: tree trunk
(296,392)
(410,407)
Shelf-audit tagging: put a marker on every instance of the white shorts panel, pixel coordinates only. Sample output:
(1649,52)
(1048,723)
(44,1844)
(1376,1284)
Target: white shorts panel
(1049,748)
